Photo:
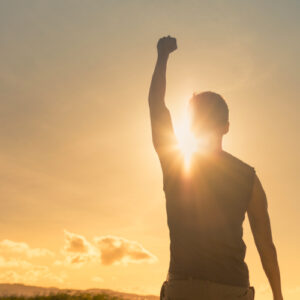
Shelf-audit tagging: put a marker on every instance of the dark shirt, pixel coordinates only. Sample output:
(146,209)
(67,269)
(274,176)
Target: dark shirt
(206,207)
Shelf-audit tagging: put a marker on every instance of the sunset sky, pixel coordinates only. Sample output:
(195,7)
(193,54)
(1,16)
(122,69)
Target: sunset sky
(82,203)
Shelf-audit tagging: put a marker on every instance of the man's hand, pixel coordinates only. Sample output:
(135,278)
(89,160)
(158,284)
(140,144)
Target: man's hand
(166,45)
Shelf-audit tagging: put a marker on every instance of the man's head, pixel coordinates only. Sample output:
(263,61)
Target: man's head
(209,114)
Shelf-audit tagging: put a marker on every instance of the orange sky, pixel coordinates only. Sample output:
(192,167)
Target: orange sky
(79,175)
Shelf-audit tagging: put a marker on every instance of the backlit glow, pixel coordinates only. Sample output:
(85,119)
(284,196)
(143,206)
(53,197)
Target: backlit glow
(186,140)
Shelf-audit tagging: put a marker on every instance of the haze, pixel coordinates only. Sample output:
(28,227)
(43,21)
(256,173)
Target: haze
(79,175)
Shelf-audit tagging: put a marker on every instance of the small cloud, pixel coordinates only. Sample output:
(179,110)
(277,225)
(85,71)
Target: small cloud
(31,276)
(76,243)
(77,250)
(97,279)
(42,272)
(14,263)
(117,250)
(10,277)
(8,247)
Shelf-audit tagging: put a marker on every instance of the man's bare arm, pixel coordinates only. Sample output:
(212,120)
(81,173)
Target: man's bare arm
(162,130)
(261,228)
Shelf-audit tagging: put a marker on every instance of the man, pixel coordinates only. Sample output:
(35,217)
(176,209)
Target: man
(206,204)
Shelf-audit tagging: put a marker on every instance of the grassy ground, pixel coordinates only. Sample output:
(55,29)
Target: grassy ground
(63,297)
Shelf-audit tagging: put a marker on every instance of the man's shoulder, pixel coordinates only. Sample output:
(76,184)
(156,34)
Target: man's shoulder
(238,162)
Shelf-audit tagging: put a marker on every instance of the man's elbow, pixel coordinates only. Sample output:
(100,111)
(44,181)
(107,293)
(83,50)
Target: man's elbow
(156,145)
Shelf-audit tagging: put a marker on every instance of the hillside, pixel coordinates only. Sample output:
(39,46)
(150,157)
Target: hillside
(7,289)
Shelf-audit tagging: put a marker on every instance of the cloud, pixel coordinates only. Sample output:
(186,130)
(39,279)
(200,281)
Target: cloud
(17,258)
(117,250)
(107,250)
(76,243)
(42,272)
(32,275)
(14,263)
(8,247)
(77,250)
(10,277)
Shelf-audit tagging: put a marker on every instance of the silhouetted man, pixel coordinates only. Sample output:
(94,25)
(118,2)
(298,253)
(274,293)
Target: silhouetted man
(206,204)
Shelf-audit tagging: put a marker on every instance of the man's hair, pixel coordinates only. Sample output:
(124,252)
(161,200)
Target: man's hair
(209,110)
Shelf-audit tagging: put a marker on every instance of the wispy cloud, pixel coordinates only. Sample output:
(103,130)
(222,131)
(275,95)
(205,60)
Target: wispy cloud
(18,261)
(31,276)
(106,250)
(18,264)
(77,250)
(8,247)
(14,263)
(117,250)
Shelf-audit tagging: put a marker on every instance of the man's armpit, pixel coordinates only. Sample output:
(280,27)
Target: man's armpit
(258,215)
(258,204)
(172,163)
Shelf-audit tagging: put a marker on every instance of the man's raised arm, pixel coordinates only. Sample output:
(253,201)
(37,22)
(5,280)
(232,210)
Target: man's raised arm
(161,124)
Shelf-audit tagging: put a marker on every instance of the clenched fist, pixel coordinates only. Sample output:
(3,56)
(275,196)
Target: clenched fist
(166,45)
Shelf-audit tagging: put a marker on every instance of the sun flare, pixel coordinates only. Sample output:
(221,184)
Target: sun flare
(187,142)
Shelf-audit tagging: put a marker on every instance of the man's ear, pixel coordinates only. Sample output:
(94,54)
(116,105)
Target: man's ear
(226,128)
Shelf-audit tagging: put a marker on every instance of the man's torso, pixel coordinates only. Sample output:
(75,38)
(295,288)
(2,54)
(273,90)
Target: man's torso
(206,207)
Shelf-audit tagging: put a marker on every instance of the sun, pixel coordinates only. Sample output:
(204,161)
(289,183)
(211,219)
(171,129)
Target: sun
(187,142)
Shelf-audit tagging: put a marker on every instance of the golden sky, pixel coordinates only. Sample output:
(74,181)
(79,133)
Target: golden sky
(82,203)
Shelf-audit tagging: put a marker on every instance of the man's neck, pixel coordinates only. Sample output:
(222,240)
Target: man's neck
(210,144)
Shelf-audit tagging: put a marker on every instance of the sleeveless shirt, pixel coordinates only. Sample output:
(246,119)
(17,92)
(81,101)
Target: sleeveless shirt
(206,207)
